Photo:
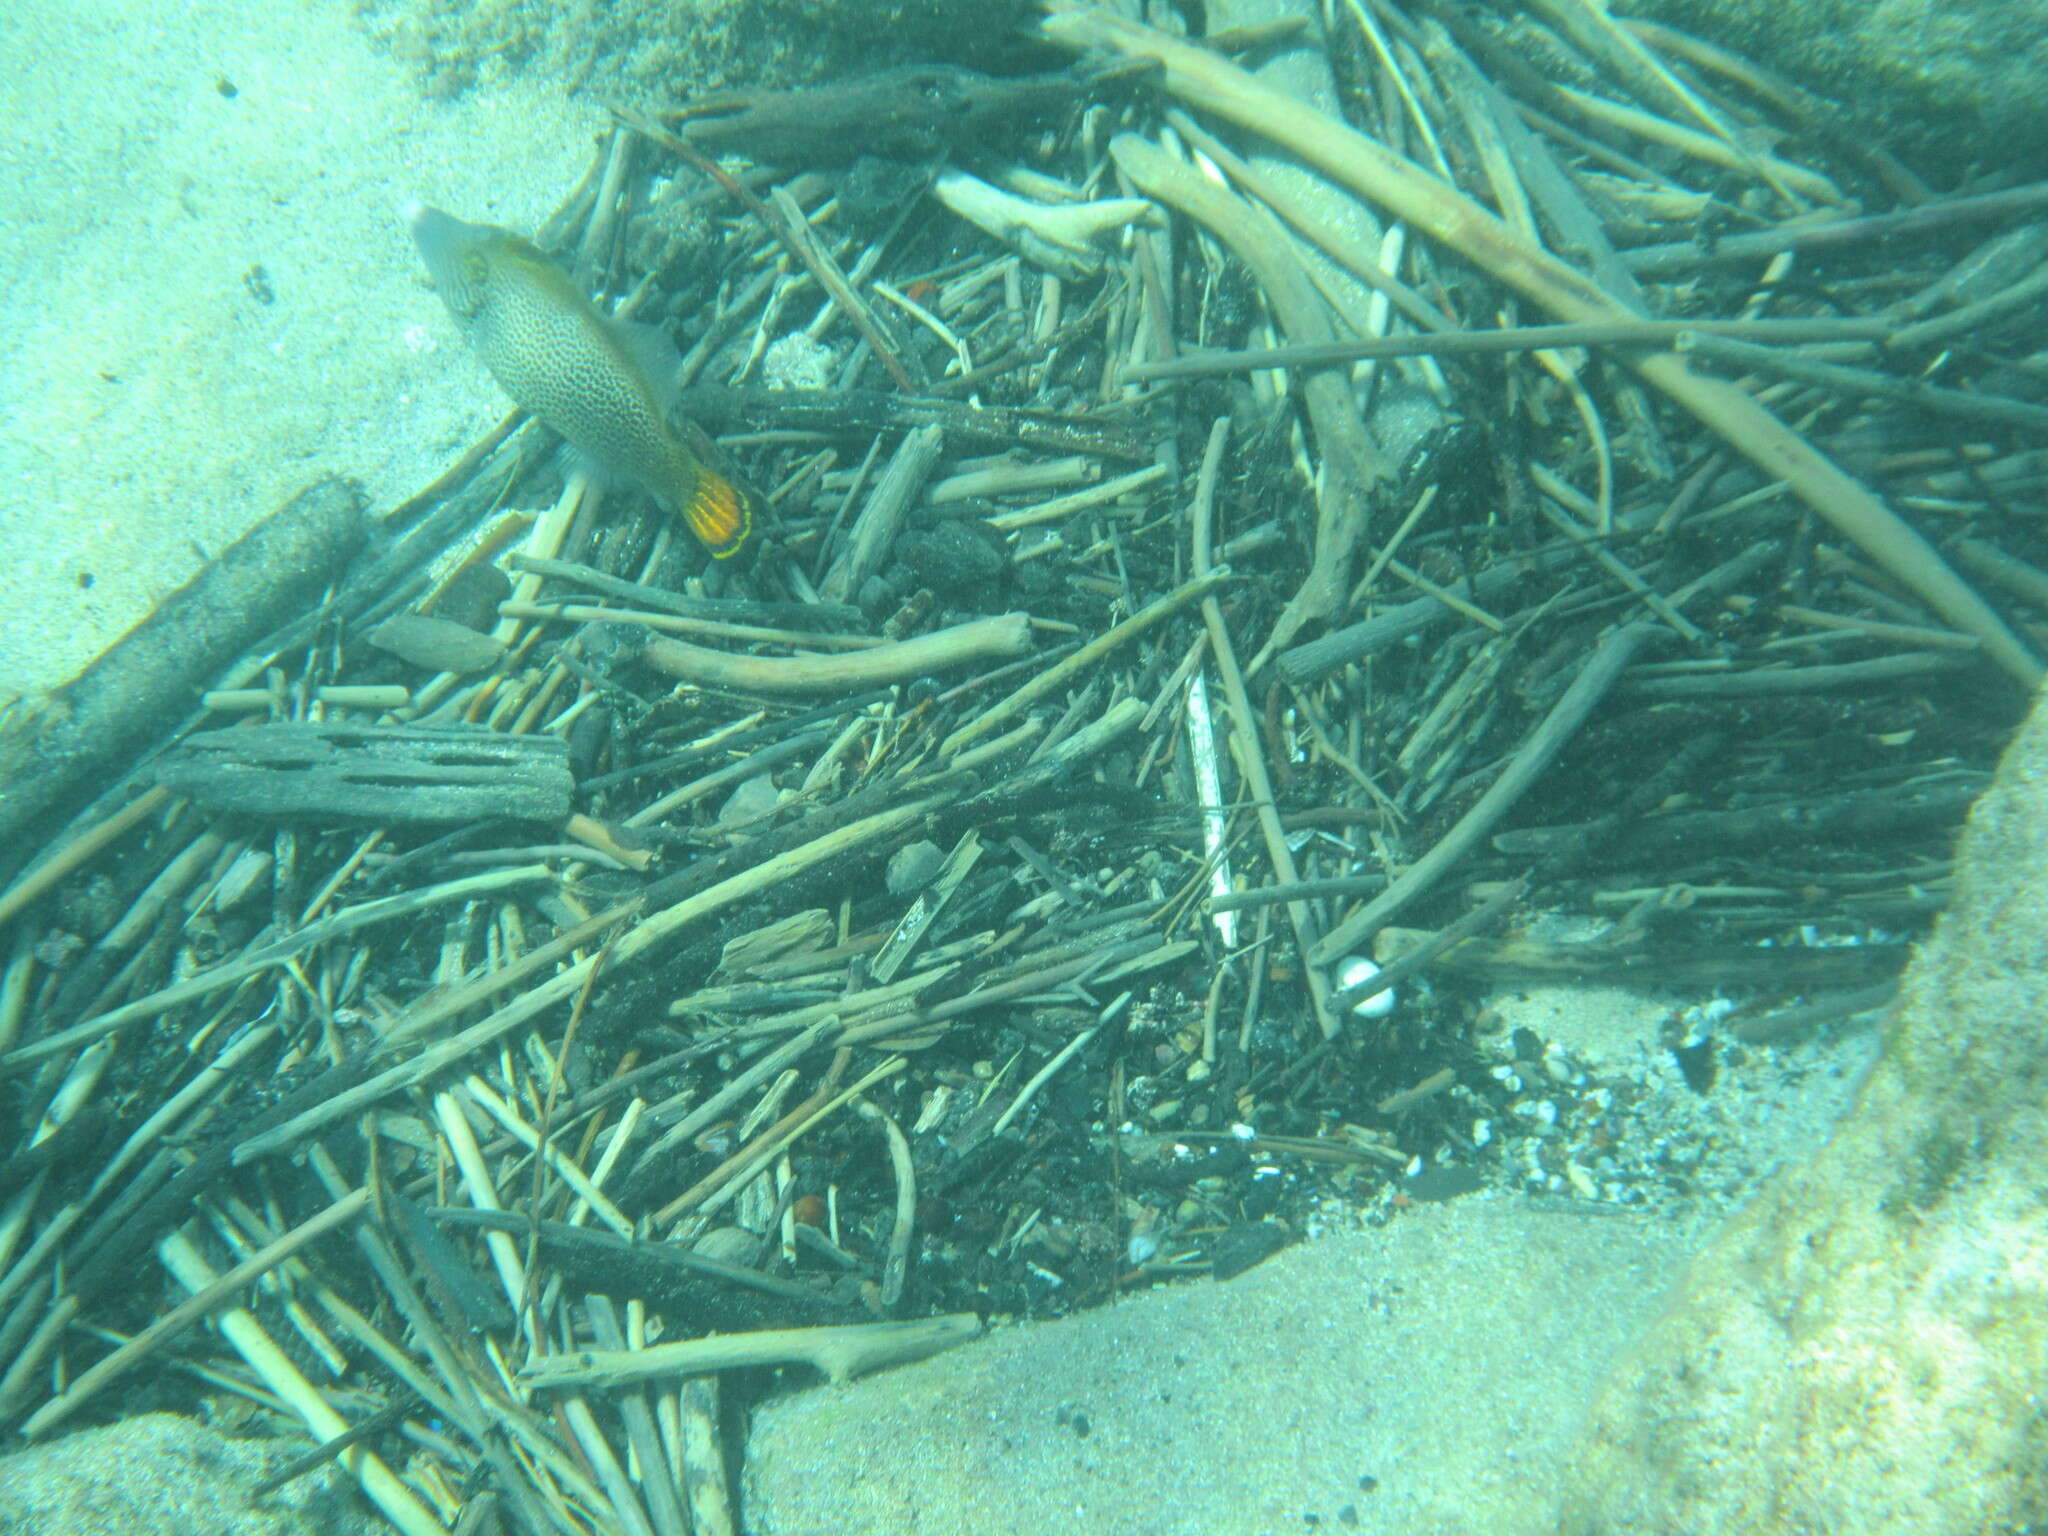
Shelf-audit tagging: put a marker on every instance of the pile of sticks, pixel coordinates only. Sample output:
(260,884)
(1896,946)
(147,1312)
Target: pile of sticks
(559,971)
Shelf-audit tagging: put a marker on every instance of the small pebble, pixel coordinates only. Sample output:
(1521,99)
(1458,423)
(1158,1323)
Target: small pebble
(912,868)
(753,799)
(731,1245)
(436,644)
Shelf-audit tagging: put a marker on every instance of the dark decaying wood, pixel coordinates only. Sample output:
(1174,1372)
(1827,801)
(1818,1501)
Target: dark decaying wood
(381,775)
(57,754)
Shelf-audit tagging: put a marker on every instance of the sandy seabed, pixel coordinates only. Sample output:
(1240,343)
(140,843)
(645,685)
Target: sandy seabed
(210,300)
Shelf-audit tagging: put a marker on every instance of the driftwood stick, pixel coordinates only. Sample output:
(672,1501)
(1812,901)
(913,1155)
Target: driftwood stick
(1351,463)
(1372,171)
(1592,685)
(793,230)
(664,1501)
(841,1353)
(400,1505)
(1412,961)
(79,850)
(703,1458)
(206,983)
(875,529)
(658,928)
(944,650)
(1518,338)
(189,1311)
(1056,676)
(1243,726)
(56,755)
(373,774)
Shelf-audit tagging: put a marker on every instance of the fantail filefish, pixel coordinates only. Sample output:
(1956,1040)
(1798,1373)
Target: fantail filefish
(575,367)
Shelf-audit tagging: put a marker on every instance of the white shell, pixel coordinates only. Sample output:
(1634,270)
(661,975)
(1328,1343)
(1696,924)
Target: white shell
(1350,972)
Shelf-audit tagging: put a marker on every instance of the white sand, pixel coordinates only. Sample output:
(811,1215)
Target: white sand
(152,408)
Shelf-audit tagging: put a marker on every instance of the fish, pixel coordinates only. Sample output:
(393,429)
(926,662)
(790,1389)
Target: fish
(598,382)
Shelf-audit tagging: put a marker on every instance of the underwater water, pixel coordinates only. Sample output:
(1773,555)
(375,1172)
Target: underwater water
(1146,768)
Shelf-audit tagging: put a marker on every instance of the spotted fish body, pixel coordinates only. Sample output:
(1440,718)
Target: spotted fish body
(574,367)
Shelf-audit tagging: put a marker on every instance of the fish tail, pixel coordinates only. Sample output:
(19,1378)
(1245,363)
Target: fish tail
(719,513)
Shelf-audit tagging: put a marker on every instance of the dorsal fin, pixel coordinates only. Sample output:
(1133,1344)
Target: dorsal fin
(655,355)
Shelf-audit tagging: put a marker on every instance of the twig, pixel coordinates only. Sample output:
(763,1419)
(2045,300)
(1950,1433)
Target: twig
(725,1181)
(79,850)
(794,233)
(841,1353)
(1378,174)
(1759,1028)
(1593,683)
(628,1518)
(663,1505)
(727,609)
(206,983)
(1301,890)
(658,928)
(676,624)
(942,650)
(1351,465)
(1251,757)
(1412,961)
(1305,663)
(1776,681)
(482,1188)
(903,1230)
(1868,382)
(189,1311)
(1519,338)
(632,1262)
(1056,676)
(864,412)
(383,1419)
(875,529)
(1929,218)
(1041,1077)
(240,1328)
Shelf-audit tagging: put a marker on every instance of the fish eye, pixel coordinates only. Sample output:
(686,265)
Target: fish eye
(474,268)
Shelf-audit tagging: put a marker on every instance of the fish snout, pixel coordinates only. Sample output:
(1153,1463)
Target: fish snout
(442,240)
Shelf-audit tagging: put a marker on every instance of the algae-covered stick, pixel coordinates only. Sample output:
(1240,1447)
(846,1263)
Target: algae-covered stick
(588,376)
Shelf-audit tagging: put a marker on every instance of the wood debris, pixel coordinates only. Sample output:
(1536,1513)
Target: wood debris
(556,968)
